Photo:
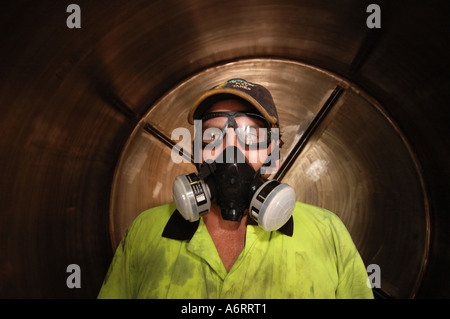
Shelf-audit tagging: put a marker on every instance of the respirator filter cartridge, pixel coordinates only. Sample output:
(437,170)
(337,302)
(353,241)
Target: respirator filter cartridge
(191,195)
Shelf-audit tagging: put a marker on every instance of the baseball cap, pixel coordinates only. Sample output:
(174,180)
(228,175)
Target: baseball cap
(257,95)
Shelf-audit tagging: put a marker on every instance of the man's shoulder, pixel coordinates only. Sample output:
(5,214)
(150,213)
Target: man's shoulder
(154,219)
(157,212)
(309,210)
(308,215)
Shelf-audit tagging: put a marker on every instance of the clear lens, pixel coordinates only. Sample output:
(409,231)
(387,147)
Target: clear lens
(212,135)
(252,136)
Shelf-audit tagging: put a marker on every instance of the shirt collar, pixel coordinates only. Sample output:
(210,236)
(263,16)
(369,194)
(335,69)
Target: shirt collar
(181,229)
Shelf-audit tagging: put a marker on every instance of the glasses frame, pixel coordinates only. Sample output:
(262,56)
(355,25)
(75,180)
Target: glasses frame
(232,122)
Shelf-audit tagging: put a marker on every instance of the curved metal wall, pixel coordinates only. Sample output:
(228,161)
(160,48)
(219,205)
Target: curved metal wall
(83,111)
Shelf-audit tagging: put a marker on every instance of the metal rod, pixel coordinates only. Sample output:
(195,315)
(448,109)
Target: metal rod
(117,104)
(298,148)
(167,141)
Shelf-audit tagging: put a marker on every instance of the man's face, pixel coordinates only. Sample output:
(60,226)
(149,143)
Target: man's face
(255,156)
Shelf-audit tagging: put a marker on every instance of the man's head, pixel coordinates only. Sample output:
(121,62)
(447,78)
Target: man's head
(240,114)
(239,137)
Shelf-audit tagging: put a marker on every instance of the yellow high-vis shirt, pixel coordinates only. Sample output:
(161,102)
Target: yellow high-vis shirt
(164,256)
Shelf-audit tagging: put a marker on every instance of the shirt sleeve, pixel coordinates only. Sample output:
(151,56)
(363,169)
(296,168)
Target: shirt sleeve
(352,273)
(118,281)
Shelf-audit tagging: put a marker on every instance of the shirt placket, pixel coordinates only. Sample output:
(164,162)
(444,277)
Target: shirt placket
(234,282)
(203,247)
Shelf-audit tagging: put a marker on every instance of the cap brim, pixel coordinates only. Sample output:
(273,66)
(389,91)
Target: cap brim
(229,91)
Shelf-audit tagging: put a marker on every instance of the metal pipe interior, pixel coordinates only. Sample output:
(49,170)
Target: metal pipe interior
(87,116)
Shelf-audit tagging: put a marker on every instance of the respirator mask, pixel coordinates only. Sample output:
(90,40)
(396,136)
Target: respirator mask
(231,183)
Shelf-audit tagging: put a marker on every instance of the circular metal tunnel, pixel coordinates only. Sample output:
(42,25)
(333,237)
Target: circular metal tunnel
(87,116)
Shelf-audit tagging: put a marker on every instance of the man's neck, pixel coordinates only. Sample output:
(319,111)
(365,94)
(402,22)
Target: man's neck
(228,236)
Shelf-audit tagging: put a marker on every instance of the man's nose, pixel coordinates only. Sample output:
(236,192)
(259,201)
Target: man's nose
(230,137)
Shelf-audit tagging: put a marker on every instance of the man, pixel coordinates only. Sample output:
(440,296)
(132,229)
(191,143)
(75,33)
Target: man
(233,234)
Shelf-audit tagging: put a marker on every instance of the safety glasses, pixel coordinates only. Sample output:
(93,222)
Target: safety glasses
(252,130)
